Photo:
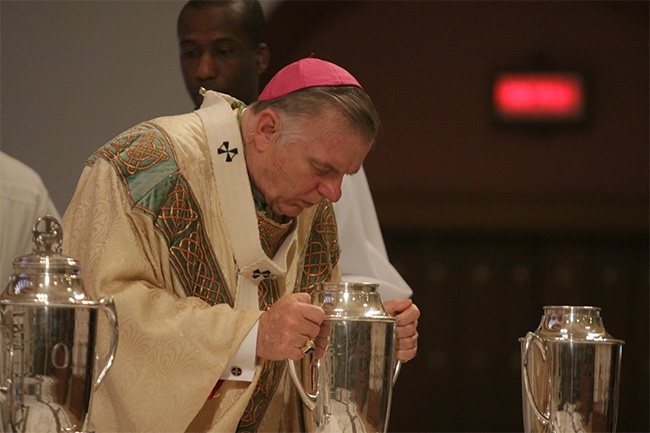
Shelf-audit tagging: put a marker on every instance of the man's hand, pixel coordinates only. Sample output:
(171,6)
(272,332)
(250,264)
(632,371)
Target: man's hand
(406,332)
(285,329)
(322,341)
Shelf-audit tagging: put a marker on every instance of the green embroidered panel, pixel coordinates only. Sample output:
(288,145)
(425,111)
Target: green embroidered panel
(144,159)
(143,156)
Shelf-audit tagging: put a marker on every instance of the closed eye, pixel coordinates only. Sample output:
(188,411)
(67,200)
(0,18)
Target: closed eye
(190,52)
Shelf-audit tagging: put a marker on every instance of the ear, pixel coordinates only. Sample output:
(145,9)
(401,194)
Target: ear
(267,129)
(262,58)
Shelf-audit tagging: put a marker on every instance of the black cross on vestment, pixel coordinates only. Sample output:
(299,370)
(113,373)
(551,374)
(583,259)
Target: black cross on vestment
(257,273)
(230,153)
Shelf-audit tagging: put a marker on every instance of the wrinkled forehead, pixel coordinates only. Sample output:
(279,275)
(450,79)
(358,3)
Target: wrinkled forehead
(325,123)
(329,138)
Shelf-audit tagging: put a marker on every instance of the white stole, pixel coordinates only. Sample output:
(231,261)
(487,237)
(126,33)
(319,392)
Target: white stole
(237,206)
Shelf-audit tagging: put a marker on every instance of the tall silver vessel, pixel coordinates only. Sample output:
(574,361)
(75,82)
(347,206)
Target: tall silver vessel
(570,373)
(350,388)
(48,331)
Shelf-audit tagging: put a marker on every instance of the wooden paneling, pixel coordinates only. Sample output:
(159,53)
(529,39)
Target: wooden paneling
(480,293)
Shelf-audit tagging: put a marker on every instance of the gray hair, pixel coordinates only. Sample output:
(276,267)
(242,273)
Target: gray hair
(351,101)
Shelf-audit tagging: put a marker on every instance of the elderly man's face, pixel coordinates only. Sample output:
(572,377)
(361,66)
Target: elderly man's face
(300,173)
(216,54)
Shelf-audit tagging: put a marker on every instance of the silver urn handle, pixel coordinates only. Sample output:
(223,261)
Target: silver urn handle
(533,339)
(308,399)
(311,400)
(398,368)
(5,361)
(108,306)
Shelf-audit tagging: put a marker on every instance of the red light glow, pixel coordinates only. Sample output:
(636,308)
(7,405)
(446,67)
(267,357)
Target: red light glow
(539,96)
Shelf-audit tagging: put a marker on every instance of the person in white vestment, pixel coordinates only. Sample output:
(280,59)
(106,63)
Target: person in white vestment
(210,230)
(222,49)
(23,199)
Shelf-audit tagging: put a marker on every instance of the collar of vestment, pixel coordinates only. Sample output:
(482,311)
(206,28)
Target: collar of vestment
(236,202)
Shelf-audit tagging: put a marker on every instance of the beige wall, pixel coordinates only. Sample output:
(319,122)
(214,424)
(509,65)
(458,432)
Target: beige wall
(76,73)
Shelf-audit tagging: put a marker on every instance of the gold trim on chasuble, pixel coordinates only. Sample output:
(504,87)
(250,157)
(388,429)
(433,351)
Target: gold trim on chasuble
(272,234)
(164,195)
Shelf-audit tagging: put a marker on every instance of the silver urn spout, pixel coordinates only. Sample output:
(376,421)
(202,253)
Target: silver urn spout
(570,371)
(350,388)
(47,334)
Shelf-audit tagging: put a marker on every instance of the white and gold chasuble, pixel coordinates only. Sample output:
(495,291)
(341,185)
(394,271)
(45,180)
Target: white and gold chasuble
(153,223)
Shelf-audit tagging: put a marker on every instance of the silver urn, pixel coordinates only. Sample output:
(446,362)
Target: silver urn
(570,373)
(350,388)
(47,333)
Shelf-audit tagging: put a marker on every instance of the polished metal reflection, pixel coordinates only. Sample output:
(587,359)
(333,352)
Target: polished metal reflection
(48,331)
(570,373)
(350,388)
(49,367)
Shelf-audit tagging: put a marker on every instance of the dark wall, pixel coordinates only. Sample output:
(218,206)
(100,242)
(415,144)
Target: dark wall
(428,65)
(479,293)
(489,224)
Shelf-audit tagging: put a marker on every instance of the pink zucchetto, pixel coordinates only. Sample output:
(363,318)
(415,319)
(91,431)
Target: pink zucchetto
(308,72)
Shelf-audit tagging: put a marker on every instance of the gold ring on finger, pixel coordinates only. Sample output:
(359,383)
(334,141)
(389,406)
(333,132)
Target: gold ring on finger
(309,346)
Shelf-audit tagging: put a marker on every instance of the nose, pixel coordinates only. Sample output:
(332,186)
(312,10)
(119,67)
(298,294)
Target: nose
(207,67)
(331,189)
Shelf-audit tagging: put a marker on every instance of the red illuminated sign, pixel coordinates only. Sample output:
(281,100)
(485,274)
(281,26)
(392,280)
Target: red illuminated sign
(538,97)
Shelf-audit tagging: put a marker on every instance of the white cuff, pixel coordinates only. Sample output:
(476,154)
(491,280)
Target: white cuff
(241,366)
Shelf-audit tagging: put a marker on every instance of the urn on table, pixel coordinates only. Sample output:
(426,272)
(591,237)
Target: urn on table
(47,333)
(350,388)
(570,370)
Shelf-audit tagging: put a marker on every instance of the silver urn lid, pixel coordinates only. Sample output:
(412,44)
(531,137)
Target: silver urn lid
(565,323)
(45,277)
(351,301)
